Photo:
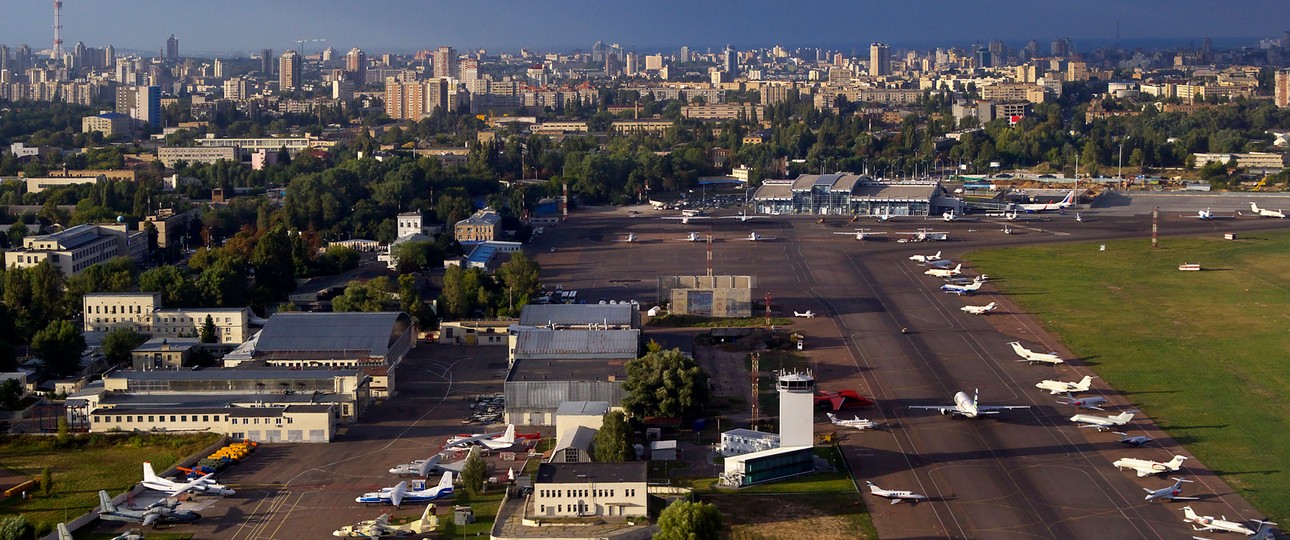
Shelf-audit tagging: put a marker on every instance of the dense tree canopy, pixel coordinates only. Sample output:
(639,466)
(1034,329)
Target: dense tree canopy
(666,384)
(685,520)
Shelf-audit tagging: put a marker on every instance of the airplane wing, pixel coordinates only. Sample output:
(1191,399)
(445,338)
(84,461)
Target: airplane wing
(150,518)
(941,408)
(995,408)
(396,494)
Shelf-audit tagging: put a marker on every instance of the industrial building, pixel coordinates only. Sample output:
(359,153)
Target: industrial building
(590,345)
(707,296)
(536,389)
(581,316)
(330,340)
(849,194)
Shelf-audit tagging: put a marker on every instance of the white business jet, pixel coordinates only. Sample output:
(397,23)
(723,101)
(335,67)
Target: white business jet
(808,314)
(966,406)
(945,272)
(1173,493)
(1146,467)
(1102,423)
(895,495)
(1208,523)
(1033,357)
(980,310)
(1264,212)
(857,422)
(924,259)
(1065,387)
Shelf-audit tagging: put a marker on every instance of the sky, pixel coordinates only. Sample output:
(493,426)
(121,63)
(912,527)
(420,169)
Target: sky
(226,27)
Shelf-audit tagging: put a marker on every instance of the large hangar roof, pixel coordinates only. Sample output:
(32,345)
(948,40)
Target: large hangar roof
(372,333)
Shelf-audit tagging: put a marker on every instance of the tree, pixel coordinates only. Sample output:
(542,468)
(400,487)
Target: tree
(118,343)
(454,298)
(59,345)
(273,262)
(611,441)
(10,394)
(17,528)
(47,478)
(685,520)
(208,333)
(35,296)
(520,277)
(474,472)
(364,296)
(175,288)
(667,384)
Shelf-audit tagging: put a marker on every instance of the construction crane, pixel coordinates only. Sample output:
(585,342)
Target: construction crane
(300,44)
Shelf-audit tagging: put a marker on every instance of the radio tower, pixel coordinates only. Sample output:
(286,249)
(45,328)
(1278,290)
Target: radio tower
(58,30)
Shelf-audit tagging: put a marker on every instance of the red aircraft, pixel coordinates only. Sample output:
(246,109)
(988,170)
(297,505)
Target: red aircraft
(844,399)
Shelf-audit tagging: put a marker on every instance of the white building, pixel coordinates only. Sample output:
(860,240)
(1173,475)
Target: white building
(75,249)
(744,441)
(232,325)
(292,423)
(104,311)
(590,489)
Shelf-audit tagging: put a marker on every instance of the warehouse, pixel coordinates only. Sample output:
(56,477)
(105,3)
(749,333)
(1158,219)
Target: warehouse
(535,389)
(547,344)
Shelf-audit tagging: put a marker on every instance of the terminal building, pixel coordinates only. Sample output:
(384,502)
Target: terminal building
(850,194)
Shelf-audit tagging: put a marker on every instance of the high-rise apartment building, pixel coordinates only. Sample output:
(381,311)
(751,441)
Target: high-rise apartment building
(404,99)
(731,62)
(266,62)
(356,65)
(685,54)
(235,89)
(142,103)
(172,48)
(21,59)
(1281,87)
(219,69)
(445,62)
(879,59)
(4,57)
(289,71)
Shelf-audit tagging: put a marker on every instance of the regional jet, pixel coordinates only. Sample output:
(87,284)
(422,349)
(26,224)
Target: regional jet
(894,495)
(945,272)
(1146,467)
(399,493)
(1208,523)
(381,526)
(1264,212)
(858,423)
(1046,207)
(924,259)
(1173,493)
(808,314)
(1033,357)
(1065,387)
(967,406)
(1102,423)
(980,310)
(203,485)
(1092,402)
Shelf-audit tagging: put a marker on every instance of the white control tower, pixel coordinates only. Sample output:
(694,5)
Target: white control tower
(796,408)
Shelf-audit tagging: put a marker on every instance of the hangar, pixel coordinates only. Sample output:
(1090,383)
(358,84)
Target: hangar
(845,193)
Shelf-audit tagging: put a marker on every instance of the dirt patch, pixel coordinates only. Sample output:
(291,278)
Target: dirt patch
(755,517)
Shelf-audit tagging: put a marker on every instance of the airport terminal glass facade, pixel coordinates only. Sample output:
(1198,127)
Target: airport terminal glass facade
(845,194)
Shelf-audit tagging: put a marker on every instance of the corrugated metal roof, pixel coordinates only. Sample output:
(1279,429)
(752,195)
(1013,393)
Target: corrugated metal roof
(774,191)
(370,332)
(920,192)
(570,343)
(576,314)
(595,408)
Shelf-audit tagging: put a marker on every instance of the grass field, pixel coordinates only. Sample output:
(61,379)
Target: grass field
(1203,354)
(84,466)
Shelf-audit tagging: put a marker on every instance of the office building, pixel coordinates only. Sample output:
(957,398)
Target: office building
(1281,88)
(103,312)
(302,423)
(482,226)
(172,48)
(879,59)
(266,62)
(75,249)
(731,62)
(356,65)
(445,62)
(591,489)
(289,71)
(170,155)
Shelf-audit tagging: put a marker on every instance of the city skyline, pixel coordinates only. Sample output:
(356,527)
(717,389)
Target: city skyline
(239,26)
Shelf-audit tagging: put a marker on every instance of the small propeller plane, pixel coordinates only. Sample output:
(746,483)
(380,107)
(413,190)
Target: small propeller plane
(952,216)
(1033,357)
(1264,212)
(863,234)
(399,493)
(1091,402)
(1208,523)
(858,423)
(64,534)
(754,237)
(1206,214)
(1065,387)
(945,272)
(924,235)
(1173,493)
(980,310)
(894,495)
(808,314)
(1102,423)
(381,526)
(883,215)
(1146,467)
(423,468)
(202,485)
(954,288)
(1007,230)
(966,406)
(924,259)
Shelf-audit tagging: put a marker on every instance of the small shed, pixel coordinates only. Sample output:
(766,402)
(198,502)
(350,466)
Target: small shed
(662,451)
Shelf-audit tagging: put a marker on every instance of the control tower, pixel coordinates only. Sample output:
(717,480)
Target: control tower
(796,408)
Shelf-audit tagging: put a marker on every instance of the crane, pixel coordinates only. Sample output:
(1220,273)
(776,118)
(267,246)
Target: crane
(300,44)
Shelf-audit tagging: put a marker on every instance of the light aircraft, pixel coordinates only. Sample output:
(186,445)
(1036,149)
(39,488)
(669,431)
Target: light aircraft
(64,534)
(1136,441)
(163,511)
(1146,467)
(1205,214)
(203,485)
(1092,402)
(1208,523)
(1264,212)
(863,234)
(685,219)
(1065,387)
(742,217)
(967,406)
(979,310)
(692,213)
(924,259)
(945,272)
(960,290)
(1173,493)
(841,399)
(858,423)
(1046,207)
(808,314)
(399,493)
(924,235)
(692,237)
(894,495)
(1102,423)
(494,441)
(1079,218)
(381,526)
(425,467)
(754,237)
(1033,357)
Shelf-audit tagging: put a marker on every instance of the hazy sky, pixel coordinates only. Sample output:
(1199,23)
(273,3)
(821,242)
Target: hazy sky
(227,26)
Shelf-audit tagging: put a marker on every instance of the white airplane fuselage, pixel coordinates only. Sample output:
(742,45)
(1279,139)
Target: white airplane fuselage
(1146,467)
(1102,422)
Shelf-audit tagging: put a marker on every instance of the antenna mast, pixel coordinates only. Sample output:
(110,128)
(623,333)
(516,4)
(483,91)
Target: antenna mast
(58,30)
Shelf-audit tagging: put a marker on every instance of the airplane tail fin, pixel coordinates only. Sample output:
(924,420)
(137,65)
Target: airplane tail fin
(873,488)
(105,502)
(1086,381)
(832,418)
(509,436)
(1176,461)
(937,255)
(446,481)
(427,465)
(1187,511)
(428,521)
(149,475)
(1070,198)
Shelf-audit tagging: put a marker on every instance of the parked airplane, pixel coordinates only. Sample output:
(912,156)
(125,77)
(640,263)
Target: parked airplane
(163,511)
(692,213)
(924,259)
(1065,387)
(203,485)
(924,235)
(494,441)
(1092,402)
(941,263)
(64,534)
(1264,212)
(863,234)
(945,272)
(1208,523)
(808,314)
(1046,207)
(960,290)
(968,407)
(741,217)
(399,493)
(693,237)
(980,310)
(1173,493)
(754,237)
(883,215)
(1102,423)
(1146,467)
(894,495)
(952,216)
(631,237)
(858,423)
(1136,441)
(1006,229)
(1079,218)
(1033,357)
(1263,533)
(381,526)
(425,467)
(1206,214)
(685,219)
